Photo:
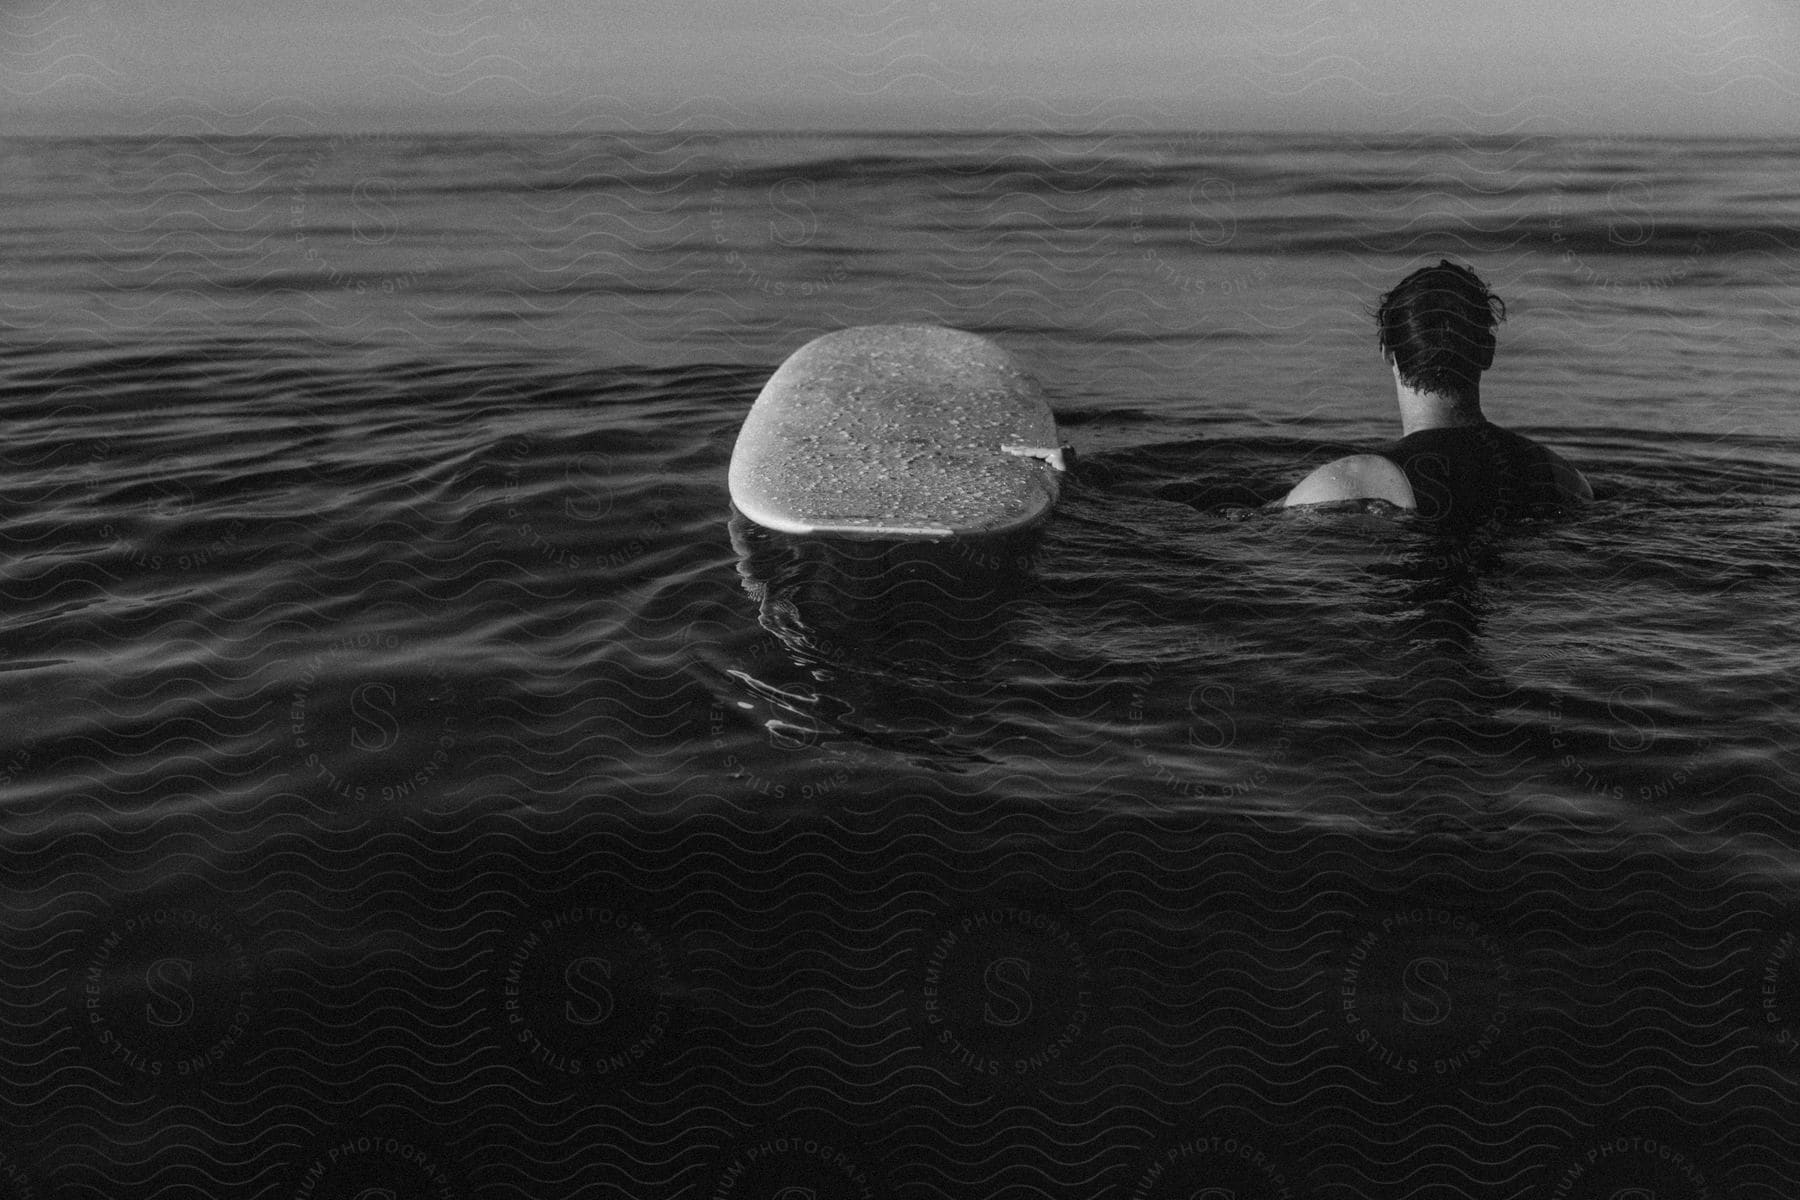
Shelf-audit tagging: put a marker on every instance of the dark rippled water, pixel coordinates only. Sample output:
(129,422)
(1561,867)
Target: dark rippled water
(412,778)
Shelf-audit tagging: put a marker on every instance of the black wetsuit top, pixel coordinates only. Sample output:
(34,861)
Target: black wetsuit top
(1476,474)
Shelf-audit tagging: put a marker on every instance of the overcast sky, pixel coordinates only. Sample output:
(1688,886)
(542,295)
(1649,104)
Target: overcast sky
(1494,66)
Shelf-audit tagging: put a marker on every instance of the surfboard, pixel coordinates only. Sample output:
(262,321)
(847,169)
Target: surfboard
(898,431)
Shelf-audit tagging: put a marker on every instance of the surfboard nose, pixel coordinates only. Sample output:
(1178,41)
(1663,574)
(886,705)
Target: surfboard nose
(912,432)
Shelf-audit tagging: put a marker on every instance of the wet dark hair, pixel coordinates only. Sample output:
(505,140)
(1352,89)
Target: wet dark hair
(1438,325)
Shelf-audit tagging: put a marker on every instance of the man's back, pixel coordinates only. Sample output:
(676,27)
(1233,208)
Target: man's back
(1456,475)
(1473,474)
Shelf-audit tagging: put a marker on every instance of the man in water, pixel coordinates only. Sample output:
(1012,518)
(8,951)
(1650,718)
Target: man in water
(1436,329)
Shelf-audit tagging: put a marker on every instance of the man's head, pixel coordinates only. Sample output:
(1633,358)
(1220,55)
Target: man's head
(1437,327)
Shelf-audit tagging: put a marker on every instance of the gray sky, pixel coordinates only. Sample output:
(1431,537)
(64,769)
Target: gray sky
(1480,66)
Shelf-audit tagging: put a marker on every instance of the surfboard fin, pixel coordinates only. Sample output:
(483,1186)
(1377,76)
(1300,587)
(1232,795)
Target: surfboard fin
(1059,457)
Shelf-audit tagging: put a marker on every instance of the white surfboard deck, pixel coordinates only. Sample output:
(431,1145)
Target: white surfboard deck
(897,431)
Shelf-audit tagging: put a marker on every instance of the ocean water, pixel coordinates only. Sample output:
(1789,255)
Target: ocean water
(413,777)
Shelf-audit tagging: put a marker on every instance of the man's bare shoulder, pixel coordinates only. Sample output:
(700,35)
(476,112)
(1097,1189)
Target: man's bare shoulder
(1354,477)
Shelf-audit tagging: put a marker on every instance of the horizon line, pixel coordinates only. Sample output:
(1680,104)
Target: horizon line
(885,131)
